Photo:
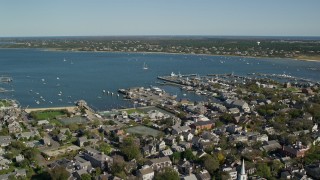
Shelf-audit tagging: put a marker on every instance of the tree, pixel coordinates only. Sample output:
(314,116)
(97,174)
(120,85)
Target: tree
(189,155)
(211,163)
(59,173)
(263,170)
(176,156)
(85,176)
(97,171)
(30,153)
(73,127)
(118,167)
(105,148)
(130,149)
(220,157)
(275,167)
(167,174)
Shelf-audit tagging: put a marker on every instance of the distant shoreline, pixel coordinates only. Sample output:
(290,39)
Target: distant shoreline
(299,58)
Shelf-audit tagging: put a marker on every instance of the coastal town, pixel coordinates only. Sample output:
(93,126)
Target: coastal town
(225,46)
(249,127)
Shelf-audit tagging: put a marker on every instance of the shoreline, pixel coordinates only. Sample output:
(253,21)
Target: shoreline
(142,52)
(294,58)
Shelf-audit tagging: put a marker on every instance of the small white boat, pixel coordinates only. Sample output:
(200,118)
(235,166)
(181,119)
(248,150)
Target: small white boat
(145,67)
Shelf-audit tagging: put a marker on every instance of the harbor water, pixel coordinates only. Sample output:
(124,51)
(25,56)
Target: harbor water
(57,78)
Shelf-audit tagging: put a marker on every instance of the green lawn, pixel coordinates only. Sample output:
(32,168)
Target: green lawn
(48,114)
(130,111)
(4,103)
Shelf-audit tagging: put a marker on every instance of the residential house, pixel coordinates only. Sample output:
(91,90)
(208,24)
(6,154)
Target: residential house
(4,163)
(149,150)
(65,163)
(167,152)
(46,141)
(204,144)
(185,167)
(81,163)
(82,140)
(239,138)
(211,137)
(171,140)
(203,175)
(21,173)
(233,173)
(19,158)
(202,125)
(48,127)
(241,105)
(155,115)
(189,177)
(196,140)
(180,129)
(176,148)
(28,135)
(146,173)
(187,136)
(314,128)
(185,145)
(260,137)
(233,128)
(97,159)
(159,163)
(77,174)
(313,170)
(234,111)
(270,146)
(42,122)
(5,140)
(161,145)
(61,137)
(14,127)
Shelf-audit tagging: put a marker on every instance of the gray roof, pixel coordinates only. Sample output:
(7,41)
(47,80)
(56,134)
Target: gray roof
(160,160)
(239,103)
(147,170)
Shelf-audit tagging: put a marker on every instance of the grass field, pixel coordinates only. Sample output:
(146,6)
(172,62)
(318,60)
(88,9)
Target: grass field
(130,111)
(47,114)
(4,103)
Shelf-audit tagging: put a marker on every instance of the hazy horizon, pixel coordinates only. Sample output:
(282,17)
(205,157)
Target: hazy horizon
(36,18)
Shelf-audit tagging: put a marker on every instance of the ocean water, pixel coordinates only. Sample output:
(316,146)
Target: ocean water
(57,78)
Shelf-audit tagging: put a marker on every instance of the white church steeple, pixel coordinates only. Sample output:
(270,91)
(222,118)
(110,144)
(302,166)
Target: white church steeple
(242,175)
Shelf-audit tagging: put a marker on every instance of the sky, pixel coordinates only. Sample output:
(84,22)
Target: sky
(159,17)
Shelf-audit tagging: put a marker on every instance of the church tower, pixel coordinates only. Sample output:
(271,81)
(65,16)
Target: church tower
(242,175)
